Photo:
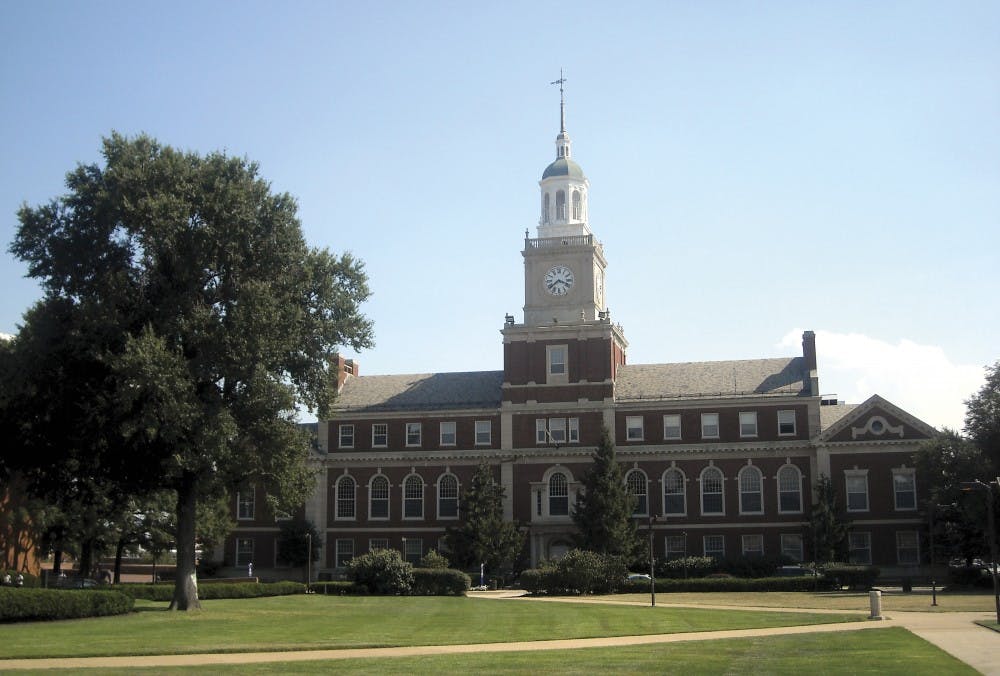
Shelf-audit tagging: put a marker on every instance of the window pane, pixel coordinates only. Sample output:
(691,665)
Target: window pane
(448,434)
(345,498)
(709,425)
(671,427)
(483,432)
(558,495)
(636,482)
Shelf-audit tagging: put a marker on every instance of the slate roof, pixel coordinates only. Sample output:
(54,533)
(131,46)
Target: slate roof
(423,391)
(751,377)
(828,415)
(563,167)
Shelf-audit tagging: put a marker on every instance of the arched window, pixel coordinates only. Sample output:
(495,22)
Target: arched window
(413,497)
(558,495)
(345,498)
(635,481)
(674,498)
(545,208)
(577,206)
(447,496)
(789,489)
(711,491)
(378,492)
(560,205)
(751,491)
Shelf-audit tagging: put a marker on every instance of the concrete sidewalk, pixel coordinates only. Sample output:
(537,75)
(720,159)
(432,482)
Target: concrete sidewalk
(954,633)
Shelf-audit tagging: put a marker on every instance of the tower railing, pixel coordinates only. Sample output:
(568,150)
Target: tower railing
(551,242)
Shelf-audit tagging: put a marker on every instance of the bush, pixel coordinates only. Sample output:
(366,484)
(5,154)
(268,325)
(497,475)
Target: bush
(339,588)
(237,590)
(854,577)
(687,567)
(579,572)
(29,579)
(439,582)
(382,572)
(730,584)
(531,580)
(24,605)
(434,560)
(969,576)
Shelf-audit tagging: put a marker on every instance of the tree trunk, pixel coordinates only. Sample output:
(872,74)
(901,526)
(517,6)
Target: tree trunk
(155,557)
(186,581)
(57,562)
(86,558)
(118,560)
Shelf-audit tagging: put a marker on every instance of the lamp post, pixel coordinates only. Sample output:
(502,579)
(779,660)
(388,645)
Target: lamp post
(931,509)
(978,485)
(309,557)
(652,564)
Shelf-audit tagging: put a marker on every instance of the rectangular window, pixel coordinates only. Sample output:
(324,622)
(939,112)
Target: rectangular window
(447,434)
(904,486)
(671,426)
(557,430)
(378,543)
(753,545)
(675,546)
(484,433)
(709,425)
(786,423)
(574,430)
(748,424)
(380,435)
(541,431)
(715,546)
(412,434)
(860,548)
(346,436)
(244,551)
(633,428)
(556,361)
(344,551)
(245,504)
(907,547)
(791,546)
(857,490)
(413,550)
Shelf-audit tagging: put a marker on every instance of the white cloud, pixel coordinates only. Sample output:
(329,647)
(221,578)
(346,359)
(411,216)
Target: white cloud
(6,336)
(920,379)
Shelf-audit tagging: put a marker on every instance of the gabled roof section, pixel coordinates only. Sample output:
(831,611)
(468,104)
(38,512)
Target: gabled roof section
(744,378)
(828,415)
(877,420)
(427,391)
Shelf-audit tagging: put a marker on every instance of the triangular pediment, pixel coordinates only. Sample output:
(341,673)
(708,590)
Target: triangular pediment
(877,419)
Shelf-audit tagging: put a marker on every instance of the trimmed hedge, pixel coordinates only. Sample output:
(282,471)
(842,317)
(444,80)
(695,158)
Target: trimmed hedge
(969,576)
(236,590)
(339,588)
(31,605)
(854,577)
(731,584)
(439,582)
(579,572)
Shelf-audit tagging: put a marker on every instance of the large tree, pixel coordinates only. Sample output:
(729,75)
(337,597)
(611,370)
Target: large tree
(982,418)
(828,526)
(484,536)
(603,511)
(211,320)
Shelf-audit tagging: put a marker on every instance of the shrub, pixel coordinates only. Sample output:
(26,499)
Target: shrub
(434,560)
(439,582)
(382,571)
(237,590)
(687,566)
(23,605)
(855,577)
(339,588)
(969,576)
(731,584)
(579,572)
(532,580)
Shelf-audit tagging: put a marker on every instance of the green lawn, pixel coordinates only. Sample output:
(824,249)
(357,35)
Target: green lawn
(917,600)
(331,622)
(873,651)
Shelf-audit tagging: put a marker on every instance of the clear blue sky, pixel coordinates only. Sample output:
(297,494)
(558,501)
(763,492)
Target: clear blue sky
(756,168)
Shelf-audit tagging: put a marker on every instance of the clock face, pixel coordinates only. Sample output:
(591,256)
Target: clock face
(558,280)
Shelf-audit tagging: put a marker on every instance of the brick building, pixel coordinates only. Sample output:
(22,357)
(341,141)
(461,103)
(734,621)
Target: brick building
(723,454)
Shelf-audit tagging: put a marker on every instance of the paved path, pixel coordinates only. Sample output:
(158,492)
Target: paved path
(954,633)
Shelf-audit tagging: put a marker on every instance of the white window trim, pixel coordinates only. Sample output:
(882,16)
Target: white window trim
(543,493)
(680,429)
(458,493)
(340,436)
(704,545)
(718,426)
(557,425)
(755,428)
(454,433)
(867,536)
(573,430)
(795,427)
(336,499)
(855,473)
(683,493)
(252,490)
(556,378)
(701,492)
(489,432)
(739,486)
(645,483)
(778,491)
(629,426)
(388,498)
(386,426)
(419,434)
(912,474)
(743,544)
(423,497)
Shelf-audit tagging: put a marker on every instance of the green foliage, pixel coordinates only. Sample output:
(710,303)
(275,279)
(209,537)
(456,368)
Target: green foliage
(579,572)
(294,537)
(982,419)
(687,566)
(854,577)
(603,512)
(439,582)
(184,309)
(484,535)
(733,584)
(215,590)
(434,560)
(382,571)
(827,524)
(30,605)
(338,588)
(29,579)
(969,576)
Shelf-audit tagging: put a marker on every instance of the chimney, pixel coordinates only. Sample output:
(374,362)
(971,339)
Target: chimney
(345,368)
(809,356)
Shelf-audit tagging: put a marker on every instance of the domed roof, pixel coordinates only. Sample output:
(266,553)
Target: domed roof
(563,167)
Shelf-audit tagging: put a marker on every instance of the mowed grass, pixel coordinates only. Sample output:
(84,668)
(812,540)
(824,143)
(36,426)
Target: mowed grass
(330,622)
(917,600)
(872,651)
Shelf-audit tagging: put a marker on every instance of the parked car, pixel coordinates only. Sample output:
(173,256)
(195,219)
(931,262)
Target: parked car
(638,577)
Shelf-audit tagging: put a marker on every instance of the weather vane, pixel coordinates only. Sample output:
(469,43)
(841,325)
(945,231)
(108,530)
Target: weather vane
(562,104)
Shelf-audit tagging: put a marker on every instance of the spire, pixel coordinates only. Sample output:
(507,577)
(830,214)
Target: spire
(562,141)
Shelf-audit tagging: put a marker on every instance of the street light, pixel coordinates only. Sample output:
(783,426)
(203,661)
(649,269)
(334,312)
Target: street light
(652,564)
(978,485)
